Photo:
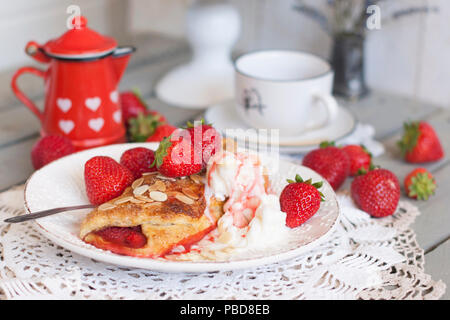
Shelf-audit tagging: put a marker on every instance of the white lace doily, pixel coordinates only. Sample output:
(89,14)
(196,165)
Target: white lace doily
(365,258)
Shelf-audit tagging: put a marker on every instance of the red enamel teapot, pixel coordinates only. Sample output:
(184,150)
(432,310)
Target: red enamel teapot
(81,86)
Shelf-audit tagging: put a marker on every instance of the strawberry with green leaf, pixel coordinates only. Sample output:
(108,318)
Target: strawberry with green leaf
(359,156)
(330,162)
(376,192)
(420,184)
(176,156)
(420,143)
(300,200)
(205,137)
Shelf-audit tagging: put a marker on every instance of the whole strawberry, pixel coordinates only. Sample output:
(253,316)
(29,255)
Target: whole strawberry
(330,162)
(359,156)
(161,131)
(143,126)
(419,184)
(376,192)
(300,200)
(105,179)
(420,143)
(176,156)
(206,137)
(50,148)
(138,160)
(131,105)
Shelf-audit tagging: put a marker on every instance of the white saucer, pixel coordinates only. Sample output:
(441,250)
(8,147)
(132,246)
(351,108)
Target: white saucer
(194,86)
(224,116)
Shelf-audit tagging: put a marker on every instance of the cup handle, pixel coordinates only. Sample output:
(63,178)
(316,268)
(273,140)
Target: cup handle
(331,106)
(21,96)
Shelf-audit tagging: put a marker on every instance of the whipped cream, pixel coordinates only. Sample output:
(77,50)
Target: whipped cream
(252,216)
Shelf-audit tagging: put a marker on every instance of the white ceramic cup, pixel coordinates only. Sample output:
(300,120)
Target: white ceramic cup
(285,90)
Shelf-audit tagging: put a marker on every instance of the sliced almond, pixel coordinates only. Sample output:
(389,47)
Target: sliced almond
(140,190)
(191,194)
(137,201)
(184,198)
(137,183)
(149,173)
(172,193)
(165,178)
(144,198)
(106,206)
(158,196)
(123,200)
(196,178)
(158,186)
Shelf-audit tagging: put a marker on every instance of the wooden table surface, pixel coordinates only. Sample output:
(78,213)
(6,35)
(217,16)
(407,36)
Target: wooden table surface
(156,55)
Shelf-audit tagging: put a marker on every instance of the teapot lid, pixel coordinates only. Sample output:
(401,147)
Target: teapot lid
(80,42)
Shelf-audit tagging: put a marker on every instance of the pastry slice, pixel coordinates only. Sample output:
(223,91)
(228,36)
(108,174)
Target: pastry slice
(152,217)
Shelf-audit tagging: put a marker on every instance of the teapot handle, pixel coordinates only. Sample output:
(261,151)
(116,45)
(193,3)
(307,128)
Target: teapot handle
(21,96)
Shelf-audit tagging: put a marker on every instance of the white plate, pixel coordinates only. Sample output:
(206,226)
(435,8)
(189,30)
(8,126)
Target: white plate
(61,183)
(224,116)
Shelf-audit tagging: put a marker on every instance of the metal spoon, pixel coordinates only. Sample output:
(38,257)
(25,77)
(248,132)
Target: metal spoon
(45,213)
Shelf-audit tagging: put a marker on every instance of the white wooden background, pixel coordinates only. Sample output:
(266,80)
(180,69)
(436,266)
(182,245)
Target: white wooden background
(408,56)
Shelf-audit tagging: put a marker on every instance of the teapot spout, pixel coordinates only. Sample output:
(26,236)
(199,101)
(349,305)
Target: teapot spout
(120,59)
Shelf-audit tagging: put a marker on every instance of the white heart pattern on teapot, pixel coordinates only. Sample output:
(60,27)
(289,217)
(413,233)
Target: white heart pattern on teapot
(114,96)
(117,116)
(96,124)
(93,103)
(66,126)
(64,104)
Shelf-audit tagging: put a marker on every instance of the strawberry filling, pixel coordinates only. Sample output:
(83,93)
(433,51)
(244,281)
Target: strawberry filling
(131,237)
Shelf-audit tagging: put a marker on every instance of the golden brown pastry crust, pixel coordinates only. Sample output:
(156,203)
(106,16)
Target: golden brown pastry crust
(166,224)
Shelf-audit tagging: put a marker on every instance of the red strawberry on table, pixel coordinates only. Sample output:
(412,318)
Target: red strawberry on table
(161,131)
(376,192)
(420,143)
(105,179)
(50,148)
(300,200)
(330,162)
(176,156)
(419,184)
(138,160)
(359,156)
(144,126)
(131,105)
(206,137)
